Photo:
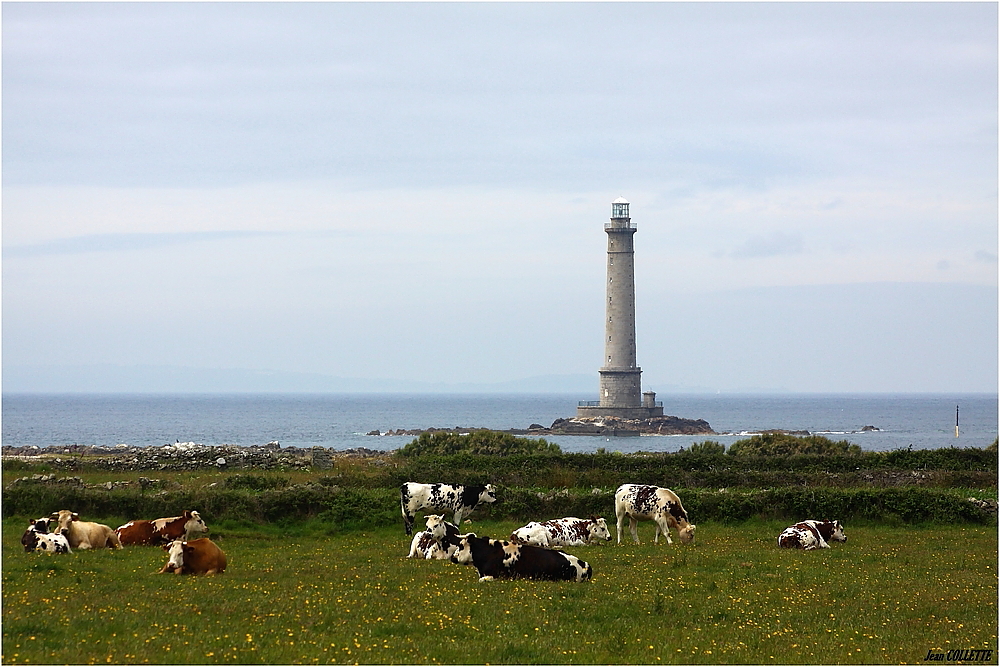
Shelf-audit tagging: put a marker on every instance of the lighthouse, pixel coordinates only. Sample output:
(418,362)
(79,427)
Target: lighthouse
(620,387)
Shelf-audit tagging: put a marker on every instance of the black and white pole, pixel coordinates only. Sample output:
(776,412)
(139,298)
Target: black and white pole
(956,421)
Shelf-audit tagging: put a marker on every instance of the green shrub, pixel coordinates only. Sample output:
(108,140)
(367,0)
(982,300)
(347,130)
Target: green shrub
(707,448)
(256,482)
(482,443)
(783,444)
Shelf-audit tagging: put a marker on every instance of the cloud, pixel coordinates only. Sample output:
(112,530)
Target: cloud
(776,243)
(122,242)
(986,257)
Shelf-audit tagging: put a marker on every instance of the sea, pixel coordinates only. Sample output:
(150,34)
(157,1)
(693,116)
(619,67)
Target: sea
(343,421)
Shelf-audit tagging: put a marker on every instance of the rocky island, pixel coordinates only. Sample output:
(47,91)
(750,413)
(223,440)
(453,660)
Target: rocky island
(608,426)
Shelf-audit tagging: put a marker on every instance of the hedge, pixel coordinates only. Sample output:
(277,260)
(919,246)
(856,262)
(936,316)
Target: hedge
(357,507)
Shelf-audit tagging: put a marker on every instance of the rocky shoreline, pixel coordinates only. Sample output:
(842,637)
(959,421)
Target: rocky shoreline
(186,456)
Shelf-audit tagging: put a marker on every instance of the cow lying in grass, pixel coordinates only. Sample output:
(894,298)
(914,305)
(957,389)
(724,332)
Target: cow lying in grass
(811,534)
(154,532)
(567,532)
(498,559)
(201,556)
(84,534)
(38,538)
(439,542)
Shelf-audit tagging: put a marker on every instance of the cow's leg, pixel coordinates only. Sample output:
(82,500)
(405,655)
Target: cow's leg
(621,518)
(458,517)
(633,523)
(408,522)
(663,527)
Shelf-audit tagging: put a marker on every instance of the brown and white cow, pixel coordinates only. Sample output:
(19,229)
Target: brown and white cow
(84,534)
(201,556)
(811,534)
(154,532)
(662,506)
(567,532)
(499,559)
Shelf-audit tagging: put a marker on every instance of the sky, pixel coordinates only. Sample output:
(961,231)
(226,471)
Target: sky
(292,196)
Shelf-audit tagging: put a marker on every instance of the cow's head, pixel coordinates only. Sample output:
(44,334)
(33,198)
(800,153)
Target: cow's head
(599,529)
(437,526)
(63,519)
(686,533)
(194,523)
(176,550)
(837,534)
(489,494)
(463,554)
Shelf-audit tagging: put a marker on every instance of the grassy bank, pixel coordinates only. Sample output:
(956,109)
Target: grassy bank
(889,595)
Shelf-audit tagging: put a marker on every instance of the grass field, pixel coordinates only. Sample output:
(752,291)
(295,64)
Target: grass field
(889,595)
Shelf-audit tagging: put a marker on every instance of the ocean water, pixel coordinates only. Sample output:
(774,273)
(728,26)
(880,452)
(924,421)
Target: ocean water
(341,421)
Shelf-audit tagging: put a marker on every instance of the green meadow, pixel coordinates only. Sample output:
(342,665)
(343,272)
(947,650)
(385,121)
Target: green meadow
(305,595)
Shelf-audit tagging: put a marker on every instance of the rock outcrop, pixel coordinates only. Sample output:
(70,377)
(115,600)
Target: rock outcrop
(615,426)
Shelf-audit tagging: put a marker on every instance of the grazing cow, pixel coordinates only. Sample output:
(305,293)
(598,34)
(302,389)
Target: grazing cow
(201,556)
(53,544)
(662,506)
(812,534)
(461,500)
(154,532)
(497,559)
(84,534)
(438,542)
(567,532)
(30,537)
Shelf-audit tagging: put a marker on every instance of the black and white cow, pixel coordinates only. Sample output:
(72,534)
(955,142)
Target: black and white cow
(461,500)
(498,559)
(30,536)
(438,542)
(662,506)
(53,544)
(38,538)
(811,534)
(566,532)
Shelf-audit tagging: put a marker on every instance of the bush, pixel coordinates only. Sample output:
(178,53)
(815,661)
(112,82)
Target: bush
(707,448)
(256,482)
(783,444)
(482,443)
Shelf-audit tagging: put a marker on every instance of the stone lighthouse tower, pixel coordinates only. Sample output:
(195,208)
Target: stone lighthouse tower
(620,386)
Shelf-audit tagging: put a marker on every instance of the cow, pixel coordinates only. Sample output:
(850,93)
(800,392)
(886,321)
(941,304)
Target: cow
(438,542)
(460,500)
(84,534)
(30,537)
(811,534)
(155,532)
(499,559)
(566,532)
(53,544)
(201,556)
(662,506)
